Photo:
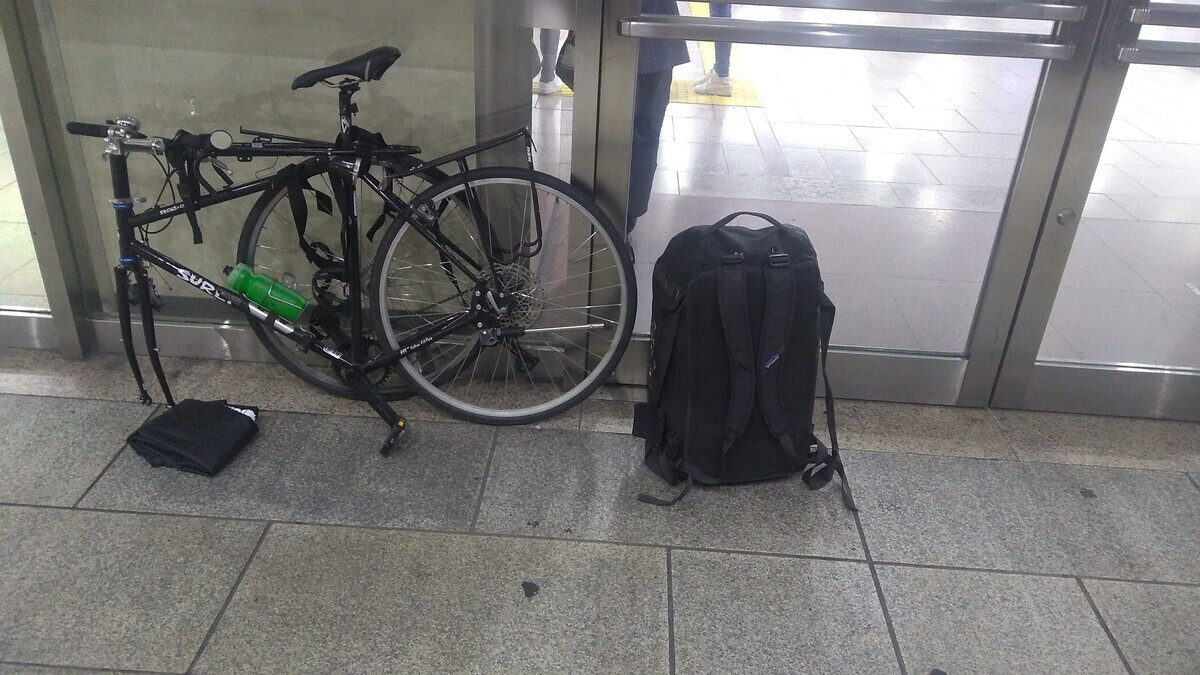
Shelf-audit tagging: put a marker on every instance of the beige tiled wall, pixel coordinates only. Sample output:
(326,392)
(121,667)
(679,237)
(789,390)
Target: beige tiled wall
(221,64)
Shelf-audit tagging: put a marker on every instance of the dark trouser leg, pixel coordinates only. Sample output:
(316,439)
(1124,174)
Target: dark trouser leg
(650,106)
(548,37)
(722,49)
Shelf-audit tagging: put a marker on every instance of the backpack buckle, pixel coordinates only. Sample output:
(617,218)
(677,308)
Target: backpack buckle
(779,260)
(734,258)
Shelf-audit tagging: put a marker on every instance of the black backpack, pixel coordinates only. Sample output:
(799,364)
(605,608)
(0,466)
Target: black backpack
(739,320)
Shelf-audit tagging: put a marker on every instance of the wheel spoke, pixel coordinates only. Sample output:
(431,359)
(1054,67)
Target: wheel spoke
(551,284)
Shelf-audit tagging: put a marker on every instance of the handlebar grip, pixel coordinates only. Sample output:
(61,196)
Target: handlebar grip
(87,129)
(97,130)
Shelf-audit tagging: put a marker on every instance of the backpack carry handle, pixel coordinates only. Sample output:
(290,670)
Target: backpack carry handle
(727,219)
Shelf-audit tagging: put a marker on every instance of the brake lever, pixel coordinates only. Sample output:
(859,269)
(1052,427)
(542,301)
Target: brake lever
(222,170)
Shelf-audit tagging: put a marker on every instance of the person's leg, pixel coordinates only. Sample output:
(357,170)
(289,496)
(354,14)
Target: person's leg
(723,10)
(653,93)
(721,67)
(549,45)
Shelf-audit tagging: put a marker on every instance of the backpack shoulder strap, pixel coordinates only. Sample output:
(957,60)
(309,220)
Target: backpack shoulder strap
(664,326)
(778,305)
(827,460)
(735,322)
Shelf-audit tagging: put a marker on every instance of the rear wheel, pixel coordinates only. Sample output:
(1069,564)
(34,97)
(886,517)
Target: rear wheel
(565,296)
(270,243)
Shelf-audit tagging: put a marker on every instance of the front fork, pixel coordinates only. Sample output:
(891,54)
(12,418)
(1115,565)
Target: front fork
(130,264)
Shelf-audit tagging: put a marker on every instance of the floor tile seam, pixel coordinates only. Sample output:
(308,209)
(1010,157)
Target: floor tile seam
(672,547)
(1009,441)
(71,396)
(212,629)
(891,294)
(887,617)
(1112,639)
(611,542)
(87,668)
(773,157)
(1192,479)
(1117,253)
(267,407)
(154,409)
(671,658)
(1018,460)
(240,519)
(445,532)
(100,475)
(487,471)
(1030,573)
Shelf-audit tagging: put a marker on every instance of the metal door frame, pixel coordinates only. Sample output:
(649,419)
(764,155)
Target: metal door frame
(1023,382)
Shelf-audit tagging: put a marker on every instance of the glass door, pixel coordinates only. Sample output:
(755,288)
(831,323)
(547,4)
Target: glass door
(914,141)
(20,277)
(1112,324)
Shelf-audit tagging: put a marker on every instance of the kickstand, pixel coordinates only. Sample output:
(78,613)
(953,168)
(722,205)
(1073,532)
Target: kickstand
(389,443)
(394,420)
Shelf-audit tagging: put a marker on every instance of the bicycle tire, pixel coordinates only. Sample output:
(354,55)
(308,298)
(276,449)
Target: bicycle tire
(287,258)
(579,274)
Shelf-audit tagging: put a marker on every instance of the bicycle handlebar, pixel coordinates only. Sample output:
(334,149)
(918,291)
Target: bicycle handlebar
(87,129)
(184,145)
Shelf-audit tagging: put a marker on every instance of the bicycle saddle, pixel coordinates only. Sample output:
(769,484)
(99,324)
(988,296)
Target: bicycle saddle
(369,66)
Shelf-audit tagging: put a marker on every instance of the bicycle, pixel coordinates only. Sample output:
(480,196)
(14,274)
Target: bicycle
(502,295)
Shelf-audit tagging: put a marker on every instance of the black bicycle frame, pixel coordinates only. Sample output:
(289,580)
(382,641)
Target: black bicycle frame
(348,164)
(236,300)
(134,255)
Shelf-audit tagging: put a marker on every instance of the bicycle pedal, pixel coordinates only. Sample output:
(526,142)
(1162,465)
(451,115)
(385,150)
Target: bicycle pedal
(389,443)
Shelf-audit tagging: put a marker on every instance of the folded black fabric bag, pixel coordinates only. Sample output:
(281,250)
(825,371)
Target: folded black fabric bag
(196,436)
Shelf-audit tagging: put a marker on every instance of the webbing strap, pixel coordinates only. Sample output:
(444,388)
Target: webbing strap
(296,186)
(664,325)
(739,343)
(650,499)
(825,314)
(189,189)
(778,306)
(388,190)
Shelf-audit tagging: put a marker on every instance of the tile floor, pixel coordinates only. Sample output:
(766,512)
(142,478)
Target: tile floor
(988,541)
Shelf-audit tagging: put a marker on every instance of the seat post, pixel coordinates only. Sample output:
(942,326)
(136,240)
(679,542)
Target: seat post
(346,108)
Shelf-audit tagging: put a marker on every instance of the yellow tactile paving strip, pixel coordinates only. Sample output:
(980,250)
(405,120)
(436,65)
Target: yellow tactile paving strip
(566,91)
(744,93)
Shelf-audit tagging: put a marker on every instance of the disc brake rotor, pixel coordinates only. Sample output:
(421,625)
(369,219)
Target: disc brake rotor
(525,294)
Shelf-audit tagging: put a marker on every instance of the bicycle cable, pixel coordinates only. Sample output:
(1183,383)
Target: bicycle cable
(145,229)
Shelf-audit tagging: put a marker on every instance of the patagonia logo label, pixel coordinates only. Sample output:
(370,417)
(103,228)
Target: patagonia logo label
(771,361)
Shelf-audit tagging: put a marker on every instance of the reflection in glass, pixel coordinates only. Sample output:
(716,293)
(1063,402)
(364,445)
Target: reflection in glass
(1130,293)
(898,165)
(20,278)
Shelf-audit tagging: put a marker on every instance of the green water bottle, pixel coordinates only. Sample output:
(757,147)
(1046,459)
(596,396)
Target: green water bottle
(262,290)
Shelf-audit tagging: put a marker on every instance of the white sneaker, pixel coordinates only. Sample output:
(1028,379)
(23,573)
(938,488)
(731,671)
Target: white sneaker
(715,85)
(697,83)
(552,87)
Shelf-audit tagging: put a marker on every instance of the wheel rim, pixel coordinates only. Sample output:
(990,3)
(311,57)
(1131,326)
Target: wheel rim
(533,375)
